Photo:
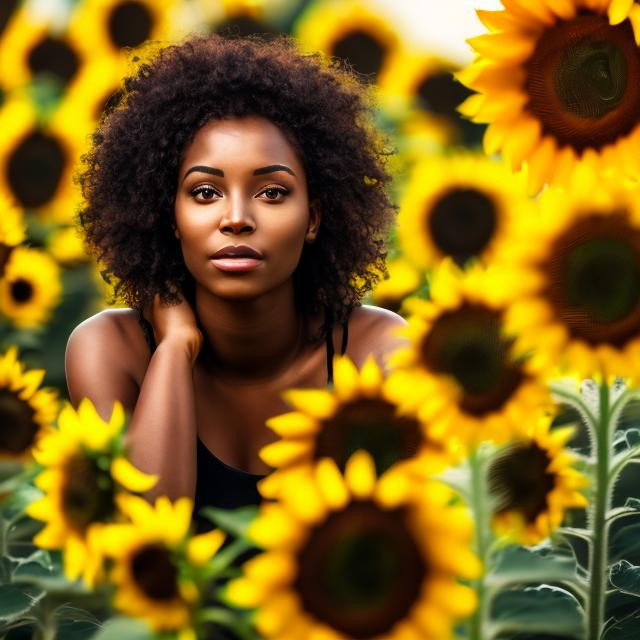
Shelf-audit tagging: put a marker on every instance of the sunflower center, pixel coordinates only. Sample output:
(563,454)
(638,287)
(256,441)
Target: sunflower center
(361,571)
(519,480)
(35,168)
(440,93)
(88,493)
(21,290)
(155,573)
(18,427)
(371,425)
(583,81)
(6,11)
(130,24)
(361,50)
(54,57)
(467,345)
(594,279)
(462,222)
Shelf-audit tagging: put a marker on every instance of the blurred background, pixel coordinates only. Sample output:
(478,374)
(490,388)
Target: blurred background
(61,65)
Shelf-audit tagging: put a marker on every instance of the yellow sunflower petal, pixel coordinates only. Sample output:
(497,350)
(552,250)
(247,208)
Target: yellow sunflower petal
(130,477)
(360,474)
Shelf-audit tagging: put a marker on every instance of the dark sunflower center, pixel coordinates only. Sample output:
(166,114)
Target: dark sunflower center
(467,344)
(519,480)
(583,81)
(21,291)
(462,222)
(155,573)
(362,51)
(18,427)
(54,57)
(7,8)
(242,25)
(88,493)
(371,425)
(361,571)
(130,24)
(35,168)
(594,279)
(441,93)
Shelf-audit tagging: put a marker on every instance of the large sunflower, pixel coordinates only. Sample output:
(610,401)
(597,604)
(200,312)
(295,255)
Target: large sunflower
(31,47)
(26,411)
(576,271)
(12,229)
(533,483)
(349,30)
(460,368)
(459,206)
(86,472)
(558,81)
(157,562)
(360,413)
(353,556)
(31,287)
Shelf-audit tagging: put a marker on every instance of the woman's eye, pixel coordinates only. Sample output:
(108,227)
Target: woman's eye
(274,193)
(207,192)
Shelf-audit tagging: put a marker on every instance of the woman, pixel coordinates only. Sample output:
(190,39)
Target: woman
(237,195)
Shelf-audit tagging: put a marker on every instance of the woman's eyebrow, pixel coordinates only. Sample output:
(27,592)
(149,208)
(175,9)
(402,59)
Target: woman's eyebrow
(272,168)
(203,169)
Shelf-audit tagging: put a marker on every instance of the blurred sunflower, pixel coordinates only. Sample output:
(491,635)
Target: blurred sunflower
(359,413)
(533,483)
(355,556)
(86,474)
(558,81)
(461,206)
(114,27)
(65,245)
(460,370)
(349,30)
(403,280)
(241,17)
(31,287)
(12,229)
(31,48)
(37,160)
(26,411)
(156,563)
(576,271)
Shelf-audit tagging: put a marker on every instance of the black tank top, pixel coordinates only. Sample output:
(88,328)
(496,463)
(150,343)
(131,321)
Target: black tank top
(218,484)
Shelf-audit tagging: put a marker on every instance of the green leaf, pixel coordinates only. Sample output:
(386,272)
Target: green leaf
(226,556)
(623,629)
(625,577)
(626,541)
(632,437)
(50,578)
(521,565)
(233,521)
(15,602)
(541,609)
(124,628)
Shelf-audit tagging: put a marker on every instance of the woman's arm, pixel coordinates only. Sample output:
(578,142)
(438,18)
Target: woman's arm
(100,365)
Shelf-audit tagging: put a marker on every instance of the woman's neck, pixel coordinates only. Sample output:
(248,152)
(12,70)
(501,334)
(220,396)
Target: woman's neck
(249,339)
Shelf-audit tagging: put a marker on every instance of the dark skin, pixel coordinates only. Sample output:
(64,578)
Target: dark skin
(220,368)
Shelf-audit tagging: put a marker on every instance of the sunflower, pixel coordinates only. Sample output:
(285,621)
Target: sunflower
(349,30)
(558,81)
(356,556)
(460,371)
(37,160)
(403,280)
(65,245)
(26,411)
(156,563)
(30,288)
(12,229)
(86,473)
(576,271)
(533,483)
(460,206)
(31,47)
(359,413)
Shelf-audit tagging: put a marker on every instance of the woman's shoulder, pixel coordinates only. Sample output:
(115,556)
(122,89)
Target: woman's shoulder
(374,330)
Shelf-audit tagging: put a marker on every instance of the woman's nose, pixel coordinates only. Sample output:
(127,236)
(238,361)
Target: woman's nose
(237,218)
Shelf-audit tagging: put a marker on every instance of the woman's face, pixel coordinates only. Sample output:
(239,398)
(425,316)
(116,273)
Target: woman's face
(242,211)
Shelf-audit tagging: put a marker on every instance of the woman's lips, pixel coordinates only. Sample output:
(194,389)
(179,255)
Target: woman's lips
(237,264)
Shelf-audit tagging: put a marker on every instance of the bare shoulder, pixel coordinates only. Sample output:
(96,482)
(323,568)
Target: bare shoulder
(106,355)
(373,330)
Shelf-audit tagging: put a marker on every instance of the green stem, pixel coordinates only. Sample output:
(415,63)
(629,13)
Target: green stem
(598,550)
(479,493)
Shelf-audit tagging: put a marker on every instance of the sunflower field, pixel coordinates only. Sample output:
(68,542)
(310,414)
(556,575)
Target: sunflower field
(484,487)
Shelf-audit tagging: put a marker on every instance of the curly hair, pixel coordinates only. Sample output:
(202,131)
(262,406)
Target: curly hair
(130,175)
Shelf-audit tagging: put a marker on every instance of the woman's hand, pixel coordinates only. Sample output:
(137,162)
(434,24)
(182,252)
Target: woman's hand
(176,324)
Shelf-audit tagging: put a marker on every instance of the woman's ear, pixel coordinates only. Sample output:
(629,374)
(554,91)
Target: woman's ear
(314,222)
